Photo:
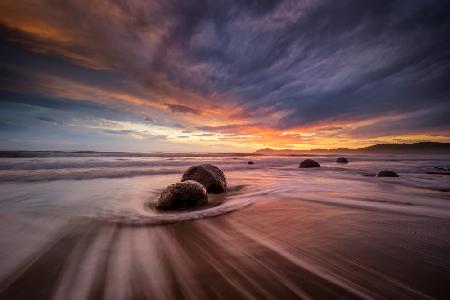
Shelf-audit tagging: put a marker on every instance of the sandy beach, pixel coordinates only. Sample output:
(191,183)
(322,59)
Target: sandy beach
(280,232)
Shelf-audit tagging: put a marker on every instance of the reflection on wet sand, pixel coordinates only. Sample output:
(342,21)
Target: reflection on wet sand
(279,233)
(274,249)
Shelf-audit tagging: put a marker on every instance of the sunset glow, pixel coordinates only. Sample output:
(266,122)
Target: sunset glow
(176,76)
(224,149)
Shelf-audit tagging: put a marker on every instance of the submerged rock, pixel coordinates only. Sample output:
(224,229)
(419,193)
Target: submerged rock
(185,194)
(387,174)
(251,163)
(309,163)
(211,177)
(438,173)
(342,160)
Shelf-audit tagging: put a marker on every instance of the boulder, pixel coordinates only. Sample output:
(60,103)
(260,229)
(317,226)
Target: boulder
(210,176)
(387,174)
(309,163)
(342,160)
(185,194)
(251,163)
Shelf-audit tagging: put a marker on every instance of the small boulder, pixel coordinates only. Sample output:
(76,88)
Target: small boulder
(185,194)
(342,160)
(211,177)
(251,163)
(387,174)
(309,163)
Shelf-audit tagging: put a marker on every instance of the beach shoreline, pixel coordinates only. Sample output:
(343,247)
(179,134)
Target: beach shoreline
(279,232)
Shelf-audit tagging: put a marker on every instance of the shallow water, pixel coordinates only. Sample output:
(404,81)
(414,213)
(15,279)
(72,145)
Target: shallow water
(84,227)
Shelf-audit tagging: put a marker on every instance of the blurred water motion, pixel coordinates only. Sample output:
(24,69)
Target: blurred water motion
(280,232)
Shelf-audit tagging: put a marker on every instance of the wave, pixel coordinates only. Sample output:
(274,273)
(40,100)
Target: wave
(236,198)
(36,164)
(180,216)
(36,170)
(82,174)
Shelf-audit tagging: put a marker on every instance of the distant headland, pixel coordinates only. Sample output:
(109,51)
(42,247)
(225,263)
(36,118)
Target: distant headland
(411,149)
(398,149)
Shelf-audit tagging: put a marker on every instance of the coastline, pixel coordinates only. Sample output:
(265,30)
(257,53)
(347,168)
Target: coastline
(337,231)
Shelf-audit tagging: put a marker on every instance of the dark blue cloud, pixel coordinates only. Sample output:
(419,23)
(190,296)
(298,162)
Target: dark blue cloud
(339,60)
(15,104)
(321,61)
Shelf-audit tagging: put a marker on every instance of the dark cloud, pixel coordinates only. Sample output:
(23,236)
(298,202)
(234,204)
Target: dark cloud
(6,126)
(281,64)
(49,120)
(141,134)
(344,60)
(49,109)
(436,120)
(178,108)
(232,128)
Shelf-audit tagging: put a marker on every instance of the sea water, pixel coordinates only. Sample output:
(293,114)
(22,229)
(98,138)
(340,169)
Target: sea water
(85,227)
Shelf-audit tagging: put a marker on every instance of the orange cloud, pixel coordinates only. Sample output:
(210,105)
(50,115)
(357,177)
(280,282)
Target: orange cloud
(133,40)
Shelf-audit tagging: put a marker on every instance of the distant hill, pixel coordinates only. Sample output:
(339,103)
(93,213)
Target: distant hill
(415,148)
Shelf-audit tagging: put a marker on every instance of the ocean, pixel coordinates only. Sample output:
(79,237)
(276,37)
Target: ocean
(85,227)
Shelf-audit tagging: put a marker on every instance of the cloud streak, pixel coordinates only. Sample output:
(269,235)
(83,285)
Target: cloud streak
(270,73)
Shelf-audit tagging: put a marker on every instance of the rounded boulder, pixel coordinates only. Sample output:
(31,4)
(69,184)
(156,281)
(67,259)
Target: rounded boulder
(342,160)
(210,176)
(185,194)
(309,163)
(387,174)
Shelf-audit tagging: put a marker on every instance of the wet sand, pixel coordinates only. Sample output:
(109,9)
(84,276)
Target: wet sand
(274,249)
(278,233)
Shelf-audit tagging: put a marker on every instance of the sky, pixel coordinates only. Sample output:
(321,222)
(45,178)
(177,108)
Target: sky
(222,75)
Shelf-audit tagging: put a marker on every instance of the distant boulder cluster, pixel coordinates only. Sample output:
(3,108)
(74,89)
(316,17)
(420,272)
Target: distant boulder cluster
(198,181)
(310,163)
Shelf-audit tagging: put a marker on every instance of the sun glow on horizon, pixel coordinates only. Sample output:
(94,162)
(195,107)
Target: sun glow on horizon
(146,76)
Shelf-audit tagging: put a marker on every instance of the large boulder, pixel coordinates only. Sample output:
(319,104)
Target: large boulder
(210,176)
(342,160)
(309,163)
(387,174)
(182,195)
